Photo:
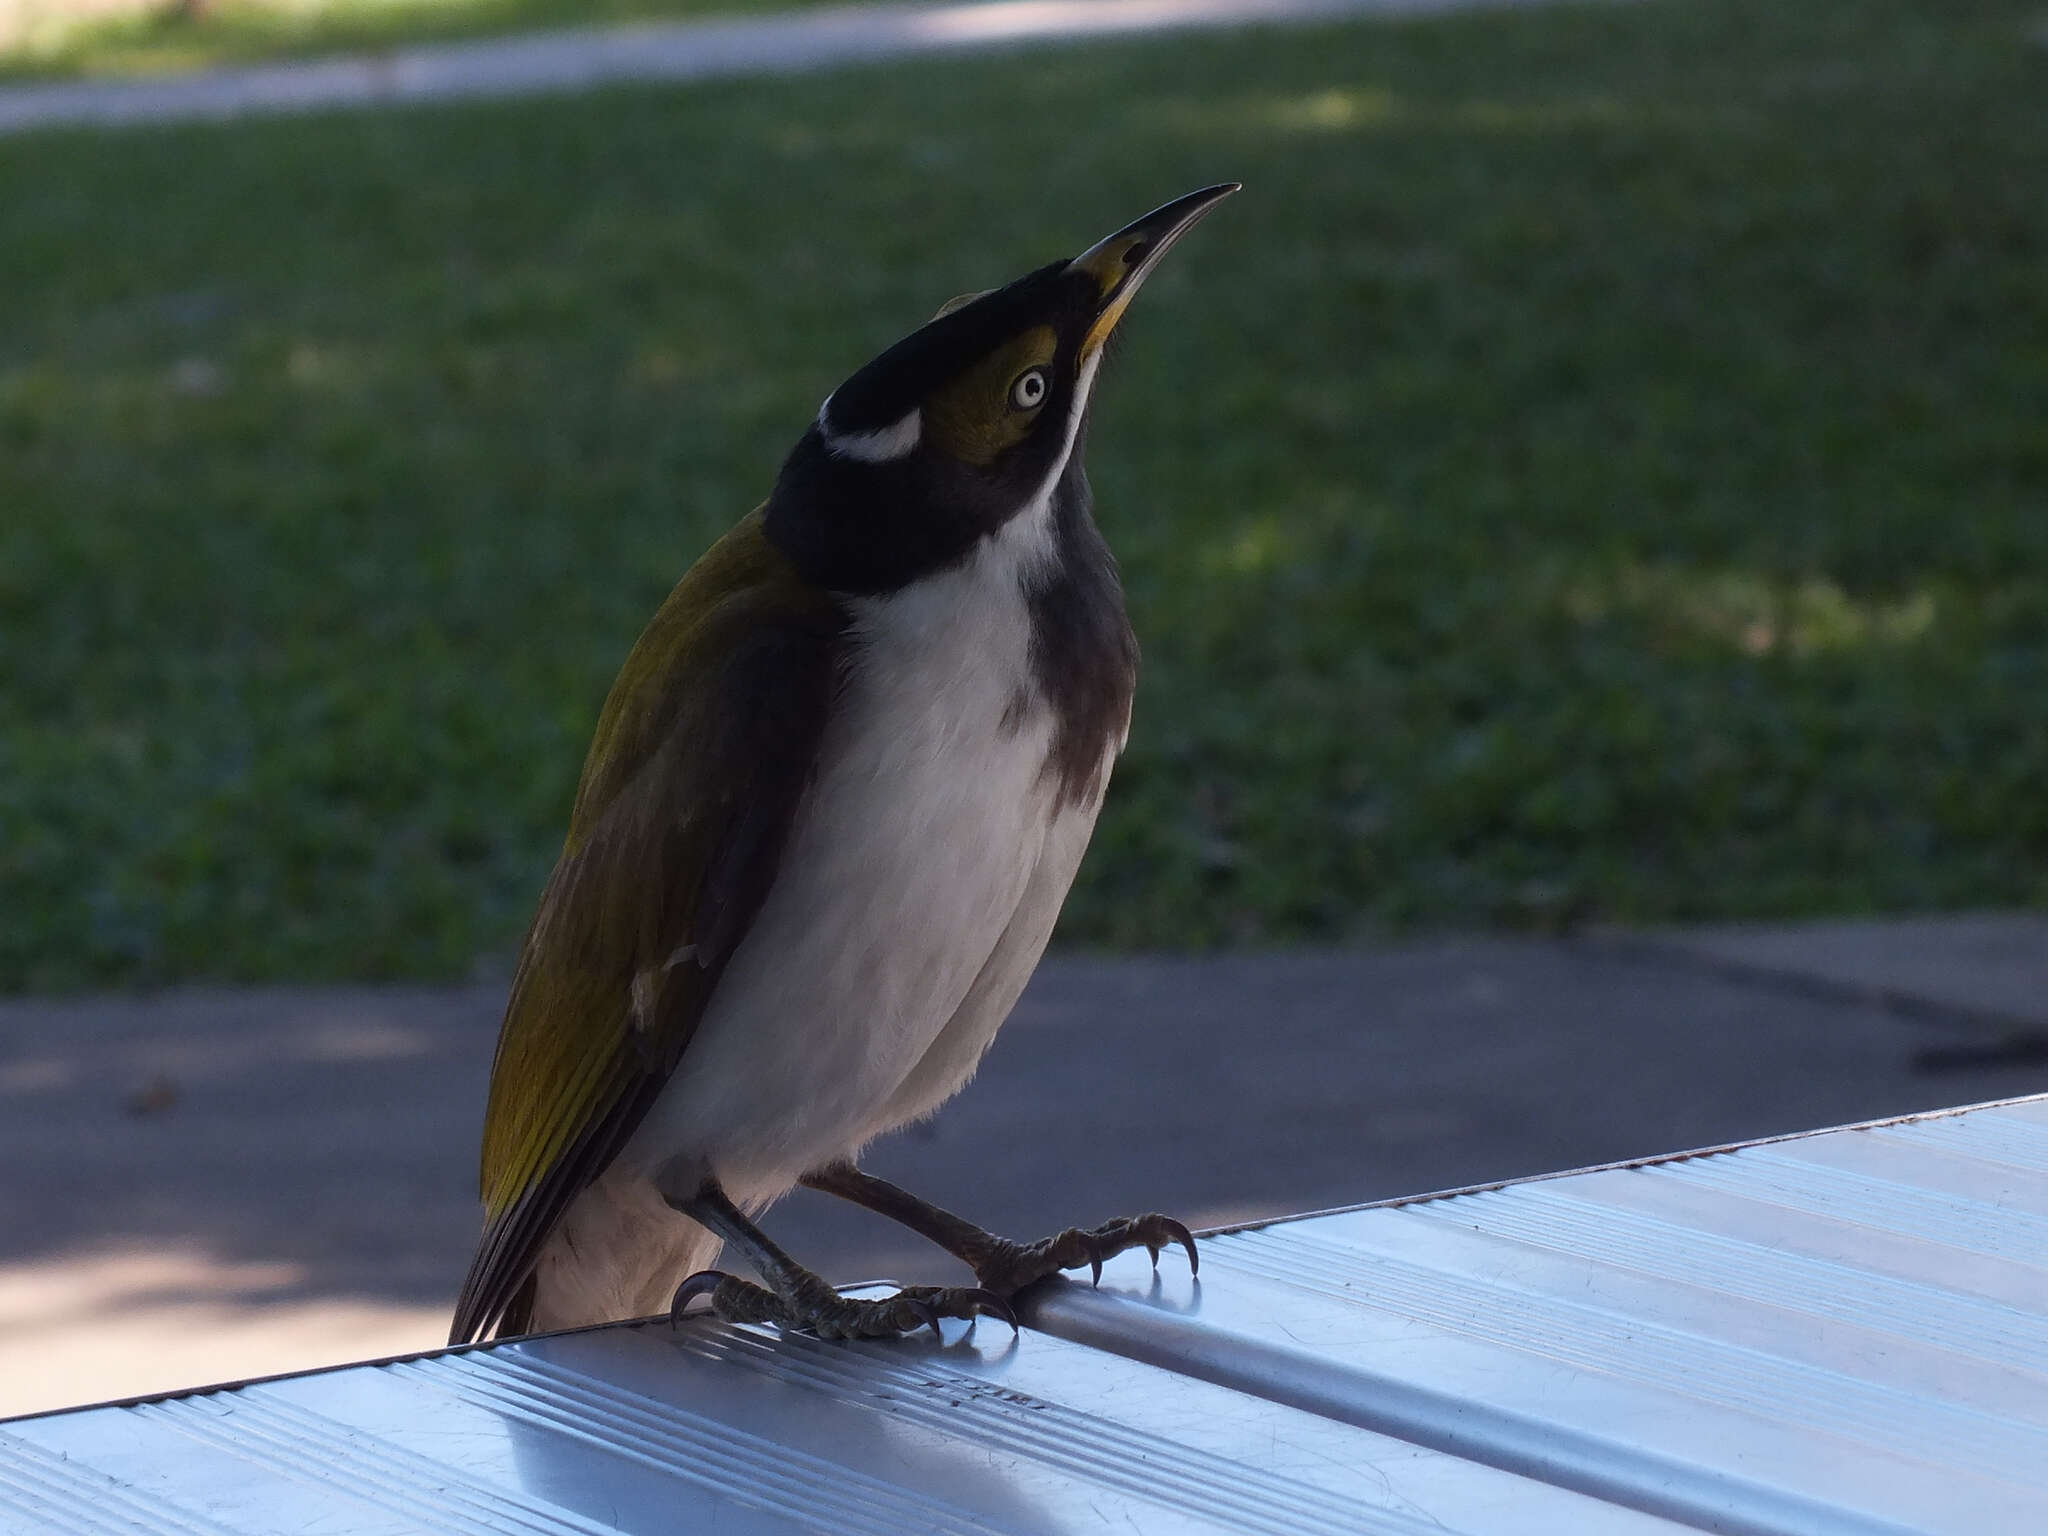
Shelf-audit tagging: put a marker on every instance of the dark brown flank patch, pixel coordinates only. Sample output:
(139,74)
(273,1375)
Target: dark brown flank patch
(1015,712)
(1083,651)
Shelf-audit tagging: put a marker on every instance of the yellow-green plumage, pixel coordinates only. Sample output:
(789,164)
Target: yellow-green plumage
(679,768)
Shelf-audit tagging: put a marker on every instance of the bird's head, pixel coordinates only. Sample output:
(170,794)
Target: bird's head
(966,422)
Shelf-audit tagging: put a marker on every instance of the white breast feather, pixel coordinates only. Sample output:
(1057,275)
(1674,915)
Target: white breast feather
(913,853)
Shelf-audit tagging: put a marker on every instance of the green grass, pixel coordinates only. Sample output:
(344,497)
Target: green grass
(1596,469)
(154,37)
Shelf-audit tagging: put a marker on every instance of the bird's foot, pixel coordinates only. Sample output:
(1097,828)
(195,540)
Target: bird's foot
(1007,1267)
(815,1306)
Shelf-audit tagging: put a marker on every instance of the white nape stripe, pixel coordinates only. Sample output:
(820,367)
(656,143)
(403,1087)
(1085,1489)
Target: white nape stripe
(876,447)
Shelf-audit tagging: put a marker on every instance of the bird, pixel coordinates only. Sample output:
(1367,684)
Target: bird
(831,808)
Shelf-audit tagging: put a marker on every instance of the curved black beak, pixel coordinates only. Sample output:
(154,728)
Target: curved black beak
(1121,263)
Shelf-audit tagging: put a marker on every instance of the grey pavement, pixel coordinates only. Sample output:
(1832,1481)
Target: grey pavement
(684,50)
(334,1131)
(1980,968)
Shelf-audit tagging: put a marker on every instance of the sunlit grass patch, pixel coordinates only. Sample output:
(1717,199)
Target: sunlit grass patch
(1747,613)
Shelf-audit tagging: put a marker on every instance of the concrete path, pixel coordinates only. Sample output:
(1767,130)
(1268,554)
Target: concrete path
(217,1184)
(1983,970)
(683,50)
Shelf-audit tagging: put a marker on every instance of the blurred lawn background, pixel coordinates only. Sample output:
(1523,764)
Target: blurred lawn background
(1597,470)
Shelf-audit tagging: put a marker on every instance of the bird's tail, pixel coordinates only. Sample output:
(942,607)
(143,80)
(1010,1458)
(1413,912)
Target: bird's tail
(608,1267)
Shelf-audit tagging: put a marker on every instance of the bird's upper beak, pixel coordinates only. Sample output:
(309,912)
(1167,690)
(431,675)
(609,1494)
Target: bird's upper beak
(1121,263)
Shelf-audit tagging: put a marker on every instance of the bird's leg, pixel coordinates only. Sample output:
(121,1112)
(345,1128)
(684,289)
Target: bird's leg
(797,1298)
(1000,1265)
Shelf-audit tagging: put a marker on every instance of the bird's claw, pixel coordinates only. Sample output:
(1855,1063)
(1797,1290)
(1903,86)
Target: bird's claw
(704,1283)
(832,1316)
(996,1307)
(914,1307)
(1013,1266)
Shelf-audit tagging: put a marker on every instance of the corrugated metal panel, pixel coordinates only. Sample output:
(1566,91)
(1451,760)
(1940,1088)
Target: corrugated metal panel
(1840,1333)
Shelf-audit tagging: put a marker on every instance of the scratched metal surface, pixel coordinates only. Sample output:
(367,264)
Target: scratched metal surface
(1846,1332)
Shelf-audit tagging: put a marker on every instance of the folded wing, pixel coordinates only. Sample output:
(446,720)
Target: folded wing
(701,757)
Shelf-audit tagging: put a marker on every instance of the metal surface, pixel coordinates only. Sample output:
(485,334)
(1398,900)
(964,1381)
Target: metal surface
(711,1428)
(1846,1332)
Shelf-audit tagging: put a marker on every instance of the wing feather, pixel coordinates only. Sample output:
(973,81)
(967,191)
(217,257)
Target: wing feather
(700,759)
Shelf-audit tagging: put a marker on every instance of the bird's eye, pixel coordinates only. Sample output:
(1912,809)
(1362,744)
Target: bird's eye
(1029,390)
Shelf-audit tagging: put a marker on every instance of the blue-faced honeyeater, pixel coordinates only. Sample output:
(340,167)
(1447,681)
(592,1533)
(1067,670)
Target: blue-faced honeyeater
(833,805)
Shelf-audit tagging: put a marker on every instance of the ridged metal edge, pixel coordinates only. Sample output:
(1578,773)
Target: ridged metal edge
(1633,1349)
(1649,1160)
(1627,1239)
(1865,1200)
(1989,1137)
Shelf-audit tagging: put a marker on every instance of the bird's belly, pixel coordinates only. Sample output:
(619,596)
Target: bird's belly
(895,899)
(914,850)
(957,1051)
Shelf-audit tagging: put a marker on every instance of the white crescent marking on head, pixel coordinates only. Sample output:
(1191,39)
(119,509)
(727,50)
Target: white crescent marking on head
(876,447)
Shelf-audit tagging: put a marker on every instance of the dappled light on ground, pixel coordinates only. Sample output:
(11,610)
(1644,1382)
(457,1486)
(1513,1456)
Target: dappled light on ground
(110,1323)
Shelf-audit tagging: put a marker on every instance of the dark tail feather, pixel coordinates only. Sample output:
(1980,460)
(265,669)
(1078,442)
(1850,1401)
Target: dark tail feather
(518,1316)
(473,1324)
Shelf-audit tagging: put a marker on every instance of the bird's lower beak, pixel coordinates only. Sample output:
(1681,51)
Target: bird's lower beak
(1120,264)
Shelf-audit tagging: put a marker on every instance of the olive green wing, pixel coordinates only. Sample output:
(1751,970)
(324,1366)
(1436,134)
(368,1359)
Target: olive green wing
(701,756)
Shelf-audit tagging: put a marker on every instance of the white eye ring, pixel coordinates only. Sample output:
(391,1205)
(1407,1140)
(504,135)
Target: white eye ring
(1028,393)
